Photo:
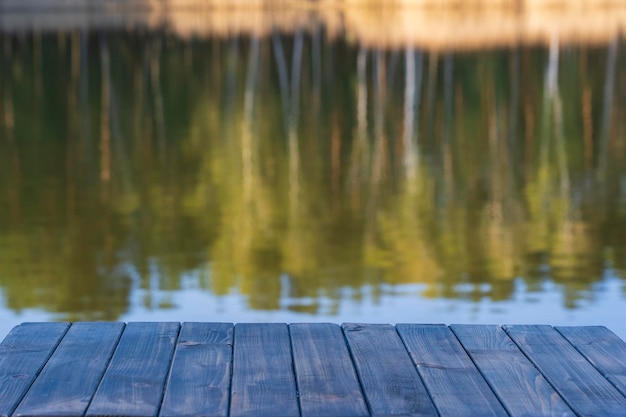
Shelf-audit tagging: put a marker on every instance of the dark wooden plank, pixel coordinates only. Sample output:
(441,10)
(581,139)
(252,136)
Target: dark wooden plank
(199,382)
(133,384)
(520,387)
(23,353)
(263,382)
(69,380)
(454,383)
(327,380)
(581,385)
(390,382)
(603,348)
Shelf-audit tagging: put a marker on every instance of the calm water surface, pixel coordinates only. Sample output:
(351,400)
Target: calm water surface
(295,178)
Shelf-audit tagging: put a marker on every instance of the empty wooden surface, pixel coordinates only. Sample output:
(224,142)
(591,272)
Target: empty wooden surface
(603,349)
(327,380)
(199,382)
(456,386)
(263,380)
(518,384)
(22,355)
(86,350)
(321,370)
(133,383)
(390,381)
(580,384)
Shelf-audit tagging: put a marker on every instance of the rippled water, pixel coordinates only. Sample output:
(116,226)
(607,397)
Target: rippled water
(292,177)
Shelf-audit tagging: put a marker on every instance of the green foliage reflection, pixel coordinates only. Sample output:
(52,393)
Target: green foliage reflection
(135,161)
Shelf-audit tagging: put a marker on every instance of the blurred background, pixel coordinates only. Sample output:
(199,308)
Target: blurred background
(356,164)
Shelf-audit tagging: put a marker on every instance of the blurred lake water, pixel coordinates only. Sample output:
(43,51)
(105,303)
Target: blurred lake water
(295,176)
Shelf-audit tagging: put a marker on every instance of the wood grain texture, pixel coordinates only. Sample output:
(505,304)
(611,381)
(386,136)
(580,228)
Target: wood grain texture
(522,390)
(199,382)
(62,391)
(603,348)
(263,382)
(454,383)
(327,380)
(582,386)
(390,382)
(133,384)
(23,353)
(313,370)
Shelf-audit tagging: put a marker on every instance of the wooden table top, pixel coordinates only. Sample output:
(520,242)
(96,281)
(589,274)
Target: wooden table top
(316,370)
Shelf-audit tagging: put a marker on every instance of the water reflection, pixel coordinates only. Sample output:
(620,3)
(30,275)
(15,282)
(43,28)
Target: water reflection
(298,171)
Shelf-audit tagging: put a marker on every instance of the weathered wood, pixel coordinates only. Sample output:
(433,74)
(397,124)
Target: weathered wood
(455,385)
(70,378)
(263,382)
(581,385)
(310,370)
(133,383)
(520,387)
(388,377)
(199,382)
(327,381)
(23,353)
(603,349)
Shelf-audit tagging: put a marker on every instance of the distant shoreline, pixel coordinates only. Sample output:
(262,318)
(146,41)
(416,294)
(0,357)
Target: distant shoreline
(271,4)
(426,24)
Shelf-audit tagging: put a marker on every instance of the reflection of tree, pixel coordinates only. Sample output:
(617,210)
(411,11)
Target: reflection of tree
(7,124)
(294,166)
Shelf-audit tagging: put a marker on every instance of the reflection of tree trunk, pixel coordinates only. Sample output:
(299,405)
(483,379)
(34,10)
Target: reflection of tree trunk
(448,96)
(411,97)
(85,132)
(379,118)
(587,118)
(8,116)
(159,110)
(552,72)
(8,120)
(586,110)
(609,91)
(283,77)
(38,73)
(529,103)
(557,112)
(362,94)
(290,98)
(493,136)
(560,145)
(73,128)
(295,215)
(391,68)
(105,133)
(295,83)
(119,144)
(359,150)
(550,80)
(378,160)
(138,133)
(395,139)
(231,85)
(335,160)
(512,170)
(246,139)
(409,113)
(431,89)
(514,103)
(552,104)
(316,59)
(294,150)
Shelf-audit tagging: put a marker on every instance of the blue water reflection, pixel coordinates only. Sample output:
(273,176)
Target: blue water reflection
(291,177)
